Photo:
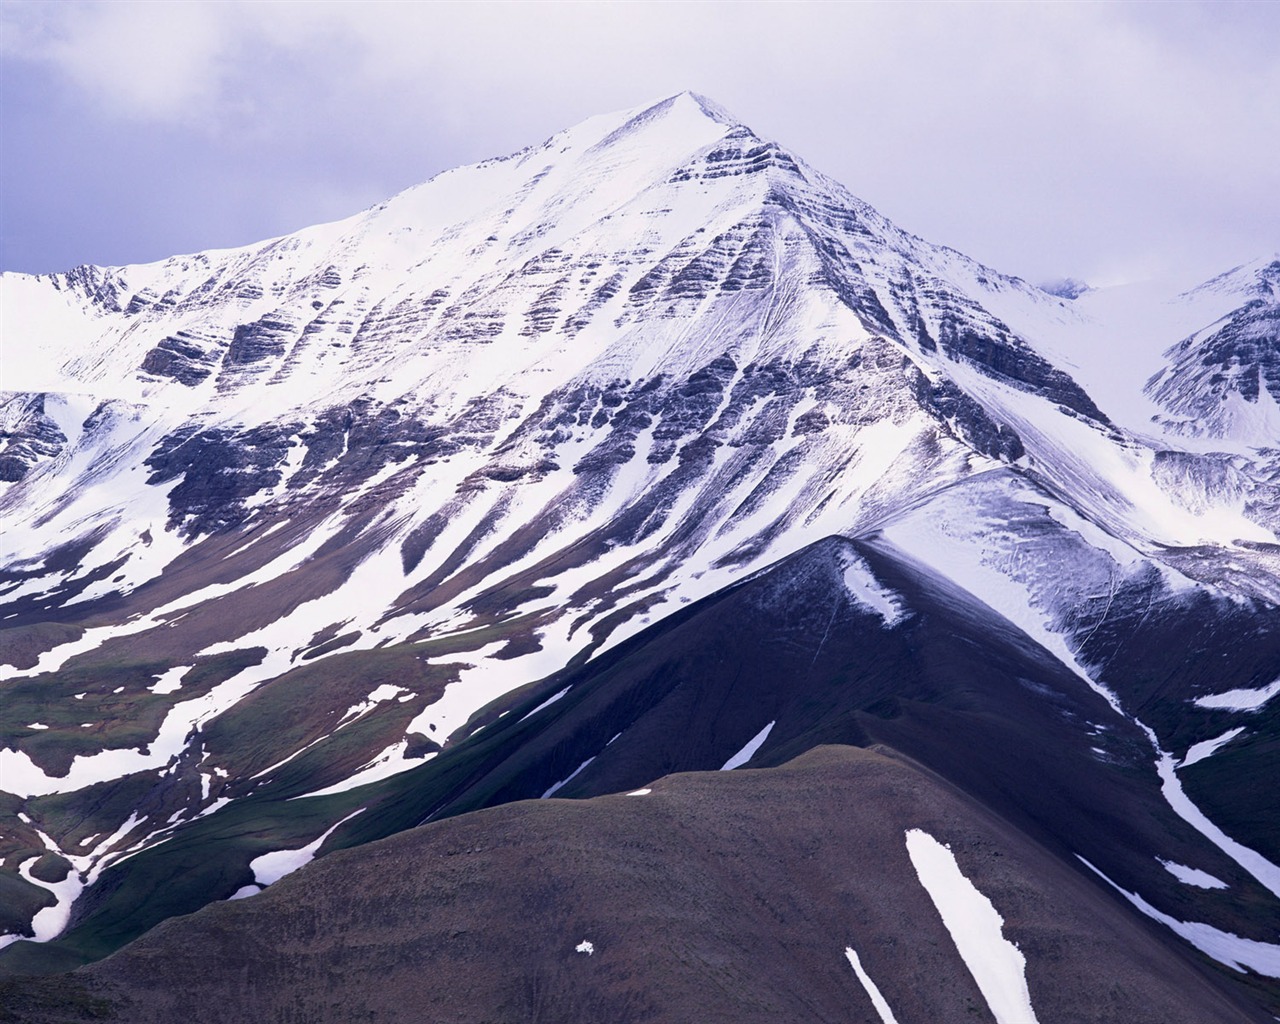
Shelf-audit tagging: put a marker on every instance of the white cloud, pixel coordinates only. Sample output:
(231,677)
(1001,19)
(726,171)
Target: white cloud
(146,60)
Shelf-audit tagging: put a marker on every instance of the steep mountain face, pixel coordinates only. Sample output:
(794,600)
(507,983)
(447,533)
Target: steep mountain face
(633,453)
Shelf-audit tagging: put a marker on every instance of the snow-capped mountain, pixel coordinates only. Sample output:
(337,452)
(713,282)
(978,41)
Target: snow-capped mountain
(404,516)
(1224,380)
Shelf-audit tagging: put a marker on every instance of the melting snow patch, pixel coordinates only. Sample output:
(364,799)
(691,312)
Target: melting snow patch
(383,692)
(23,777)
(749,751)
(564,782)
(37,725)
(547,703)
(245,891)
(584,947)
(877,1000)
(1264,870)
(49,922)
(271,867)
(640,792)
(868,592)
(976,928)
(1225,947)
(1240,700)
(1192,876)
(476,685)
(170,681)
(1199,751)
(391,761)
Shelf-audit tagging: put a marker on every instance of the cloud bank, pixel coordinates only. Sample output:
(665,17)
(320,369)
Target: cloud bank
(1098,141)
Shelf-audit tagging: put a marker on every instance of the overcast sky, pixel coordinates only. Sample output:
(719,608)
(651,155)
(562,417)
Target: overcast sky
(1104,141)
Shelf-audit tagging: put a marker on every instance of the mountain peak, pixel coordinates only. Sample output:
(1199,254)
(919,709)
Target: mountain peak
(684,117)
(685,102)
(709,107)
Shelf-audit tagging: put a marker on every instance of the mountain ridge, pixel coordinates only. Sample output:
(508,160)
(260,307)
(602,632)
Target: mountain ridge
(352,495)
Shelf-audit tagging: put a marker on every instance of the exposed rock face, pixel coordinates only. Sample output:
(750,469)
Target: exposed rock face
(185,357)
(219,470)
(1004,357)
(27,435)
(262,339)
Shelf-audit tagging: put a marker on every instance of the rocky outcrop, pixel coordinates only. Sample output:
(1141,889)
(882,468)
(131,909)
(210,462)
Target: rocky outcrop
(27,436)
(187,357)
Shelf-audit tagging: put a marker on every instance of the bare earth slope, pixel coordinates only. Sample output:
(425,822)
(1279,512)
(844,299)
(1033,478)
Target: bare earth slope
(714,897)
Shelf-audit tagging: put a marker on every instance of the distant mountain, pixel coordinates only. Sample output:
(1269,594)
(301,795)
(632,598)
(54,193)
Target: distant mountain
(648,450)
(1223,381)
(1065,287)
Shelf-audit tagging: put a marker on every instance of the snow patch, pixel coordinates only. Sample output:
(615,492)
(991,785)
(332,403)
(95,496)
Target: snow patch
(1253,862)
(475,687)
(383,692)
(873,991)
(564,782)
(23,777)
(391,761)
(170,681)
(49,922)
(585,946)
(749,751)
(271,867)
(1199,751)
(1192,876)
(976,928)
(546,703)
(868,592)
(1226,947)
(1240,700)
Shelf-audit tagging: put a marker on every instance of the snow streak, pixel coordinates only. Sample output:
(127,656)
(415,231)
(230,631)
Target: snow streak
(976,928)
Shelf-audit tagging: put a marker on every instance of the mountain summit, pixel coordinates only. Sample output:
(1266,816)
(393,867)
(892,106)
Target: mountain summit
(647,450)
